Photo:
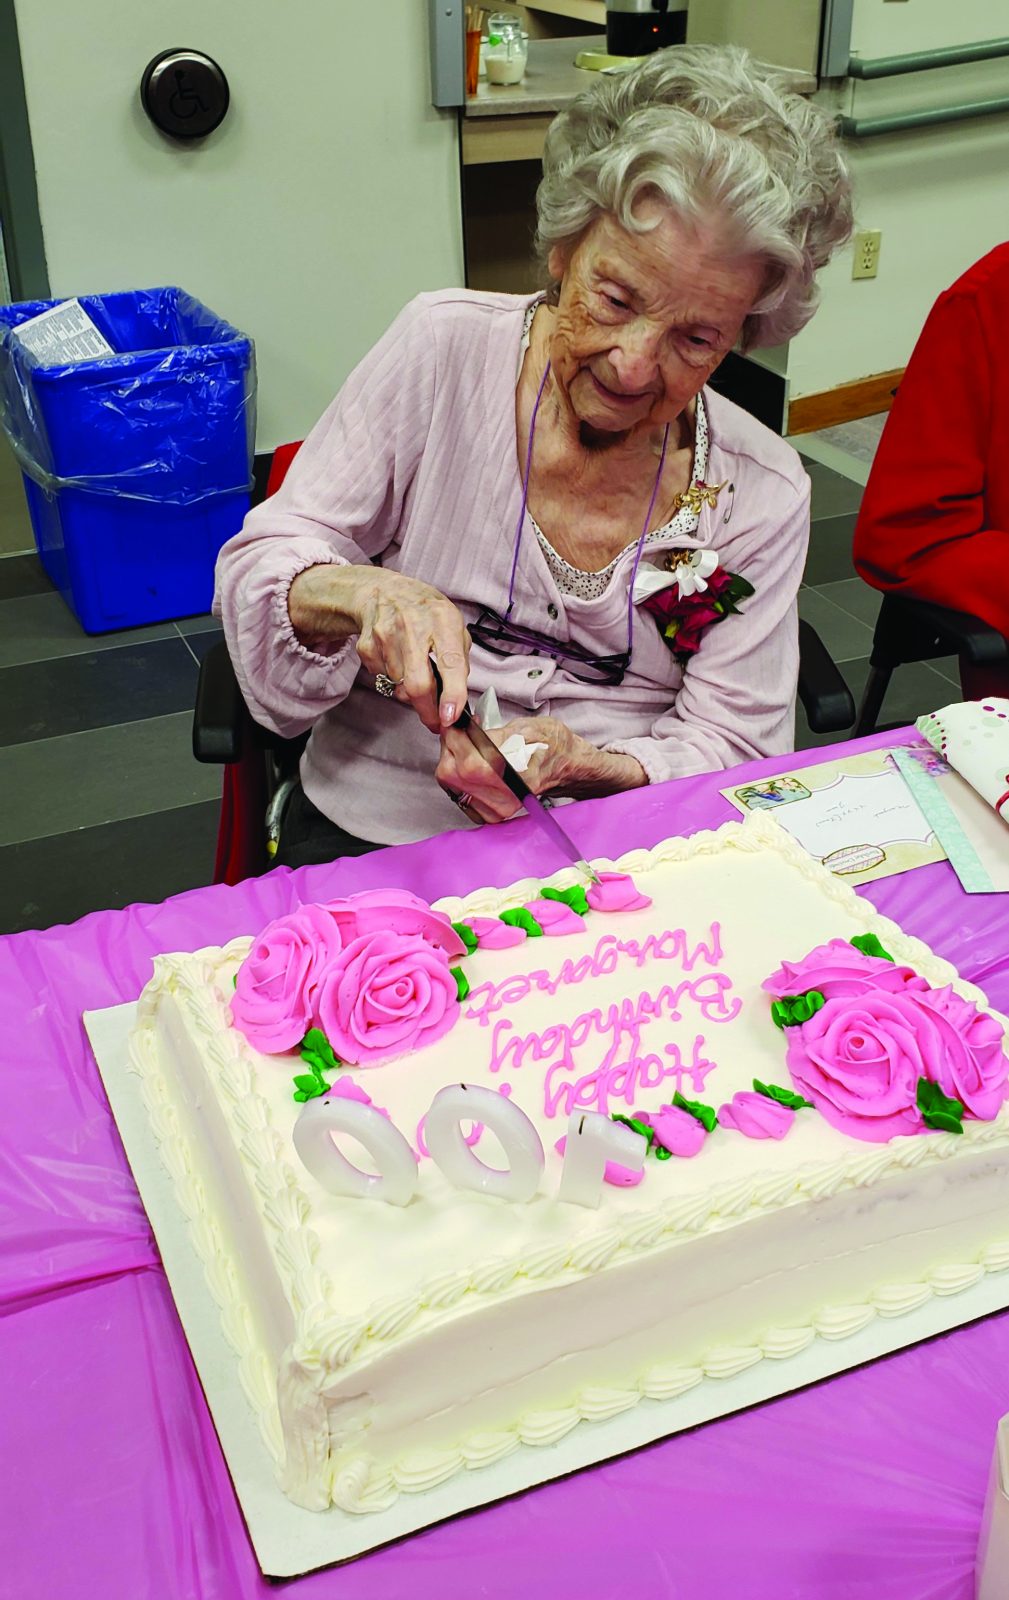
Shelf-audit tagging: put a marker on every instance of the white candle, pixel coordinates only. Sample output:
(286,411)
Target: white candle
(461,1102)
(396,1182)
(591,1141)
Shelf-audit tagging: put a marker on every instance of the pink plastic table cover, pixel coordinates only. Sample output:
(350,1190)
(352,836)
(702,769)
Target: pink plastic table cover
(869,1485)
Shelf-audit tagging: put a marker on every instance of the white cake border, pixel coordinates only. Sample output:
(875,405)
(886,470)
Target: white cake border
(289,1540)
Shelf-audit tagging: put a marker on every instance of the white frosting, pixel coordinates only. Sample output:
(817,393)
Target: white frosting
(386,1348)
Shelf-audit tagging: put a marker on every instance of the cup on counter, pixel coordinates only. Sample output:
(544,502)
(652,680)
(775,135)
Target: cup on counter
(506,51)
(473,39)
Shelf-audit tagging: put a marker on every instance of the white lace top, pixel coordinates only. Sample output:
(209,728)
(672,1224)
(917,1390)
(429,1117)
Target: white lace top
(589,585)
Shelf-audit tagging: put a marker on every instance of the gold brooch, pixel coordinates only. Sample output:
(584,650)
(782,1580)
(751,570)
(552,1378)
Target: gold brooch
(699,494)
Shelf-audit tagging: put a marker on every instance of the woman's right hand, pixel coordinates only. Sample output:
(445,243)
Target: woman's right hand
(399,623)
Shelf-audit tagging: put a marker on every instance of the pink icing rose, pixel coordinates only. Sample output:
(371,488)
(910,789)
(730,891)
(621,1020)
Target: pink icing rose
(384,994)
(613,1172)
(615,891)
(858,1059)
(347,1089)
(973,1067)
(838,969)
(756,1116)
(395,911)
(274,996)
(493,934)
(555,917)
(676,1130)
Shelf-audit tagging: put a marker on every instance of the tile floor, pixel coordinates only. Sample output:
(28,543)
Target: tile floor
(103,804)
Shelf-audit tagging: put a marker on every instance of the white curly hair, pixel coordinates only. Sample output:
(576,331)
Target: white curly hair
(710,131)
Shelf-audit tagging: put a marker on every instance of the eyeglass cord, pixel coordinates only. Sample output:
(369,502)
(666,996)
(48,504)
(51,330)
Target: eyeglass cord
(525,503)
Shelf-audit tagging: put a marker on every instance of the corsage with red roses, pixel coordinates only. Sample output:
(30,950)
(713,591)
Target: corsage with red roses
(688,596)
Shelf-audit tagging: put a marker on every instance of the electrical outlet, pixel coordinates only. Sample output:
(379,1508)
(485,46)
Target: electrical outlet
(865,253)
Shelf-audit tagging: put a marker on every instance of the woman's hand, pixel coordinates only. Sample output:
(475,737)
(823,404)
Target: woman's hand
(399,622)
(568,766)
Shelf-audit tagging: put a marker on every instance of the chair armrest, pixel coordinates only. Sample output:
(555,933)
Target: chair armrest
(958,632)
(826,698)
(220,716)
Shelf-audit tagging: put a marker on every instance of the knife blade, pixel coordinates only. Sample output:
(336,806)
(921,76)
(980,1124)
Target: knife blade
(484,745)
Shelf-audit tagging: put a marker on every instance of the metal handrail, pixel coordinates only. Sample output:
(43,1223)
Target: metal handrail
(901,122)
(955,55)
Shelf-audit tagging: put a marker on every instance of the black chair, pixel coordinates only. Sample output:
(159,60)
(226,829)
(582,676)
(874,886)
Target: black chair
(225,733)
(917,630)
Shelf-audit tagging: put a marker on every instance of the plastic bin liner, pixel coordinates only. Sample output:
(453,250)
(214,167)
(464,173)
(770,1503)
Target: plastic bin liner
(866,1487)
(169,418)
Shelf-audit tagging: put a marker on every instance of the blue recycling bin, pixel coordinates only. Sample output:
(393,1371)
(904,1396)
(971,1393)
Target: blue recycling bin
(137,466)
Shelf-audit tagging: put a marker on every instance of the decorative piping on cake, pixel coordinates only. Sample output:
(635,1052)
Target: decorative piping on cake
(256,1372)
(362,1487)
(326,1342)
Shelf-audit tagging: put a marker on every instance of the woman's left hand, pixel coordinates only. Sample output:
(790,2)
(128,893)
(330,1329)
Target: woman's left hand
(568,766)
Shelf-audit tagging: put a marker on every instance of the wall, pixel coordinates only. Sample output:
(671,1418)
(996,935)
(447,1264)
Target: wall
(329,195)
(21,251)
(783,31)
(940,196)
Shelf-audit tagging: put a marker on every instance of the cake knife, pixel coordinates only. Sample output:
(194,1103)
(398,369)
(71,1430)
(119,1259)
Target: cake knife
(535,809)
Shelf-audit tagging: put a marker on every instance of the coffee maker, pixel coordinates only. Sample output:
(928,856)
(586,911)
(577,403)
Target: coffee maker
(637,27)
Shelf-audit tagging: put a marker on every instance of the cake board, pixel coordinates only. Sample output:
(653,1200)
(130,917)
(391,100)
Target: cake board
(289,1541)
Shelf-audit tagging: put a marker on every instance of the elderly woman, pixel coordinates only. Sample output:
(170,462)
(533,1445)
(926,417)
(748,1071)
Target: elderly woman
(540,494)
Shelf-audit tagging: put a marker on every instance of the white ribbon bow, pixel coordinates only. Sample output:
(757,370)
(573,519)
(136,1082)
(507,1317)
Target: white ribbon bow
(690,576)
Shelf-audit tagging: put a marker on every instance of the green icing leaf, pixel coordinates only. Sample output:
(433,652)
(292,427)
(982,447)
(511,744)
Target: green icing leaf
(317,1054)
(938,1110)
(461,983)
(870,946)
(315,1044)
(575,897)
(521,918)
(784,1097)
(706,1114)
(660,1152)
(795,1009)
(316,1063)
(467,936)
(234,980)
(306,1088)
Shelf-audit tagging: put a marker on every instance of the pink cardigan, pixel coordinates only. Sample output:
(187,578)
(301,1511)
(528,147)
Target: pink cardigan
(415,465)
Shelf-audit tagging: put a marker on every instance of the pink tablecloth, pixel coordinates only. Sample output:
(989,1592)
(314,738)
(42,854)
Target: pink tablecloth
(869,1485)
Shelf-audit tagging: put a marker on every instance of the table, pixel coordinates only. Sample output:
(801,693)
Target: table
(869,1486)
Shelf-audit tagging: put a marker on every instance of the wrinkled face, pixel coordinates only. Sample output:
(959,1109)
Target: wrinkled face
(644,318)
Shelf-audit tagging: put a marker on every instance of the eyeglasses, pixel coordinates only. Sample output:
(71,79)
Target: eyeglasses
(503,638)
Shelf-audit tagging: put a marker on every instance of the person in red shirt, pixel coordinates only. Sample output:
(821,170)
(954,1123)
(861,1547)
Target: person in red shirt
(934,521)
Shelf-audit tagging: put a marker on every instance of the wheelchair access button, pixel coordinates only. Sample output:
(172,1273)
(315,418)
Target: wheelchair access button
(185,93)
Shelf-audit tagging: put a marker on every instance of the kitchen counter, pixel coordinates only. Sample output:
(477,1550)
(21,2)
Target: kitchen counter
(508,122)
(551,82)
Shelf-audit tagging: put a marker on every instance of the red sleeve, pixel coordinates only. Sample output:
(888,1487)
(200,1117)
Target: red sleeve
(922,524)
